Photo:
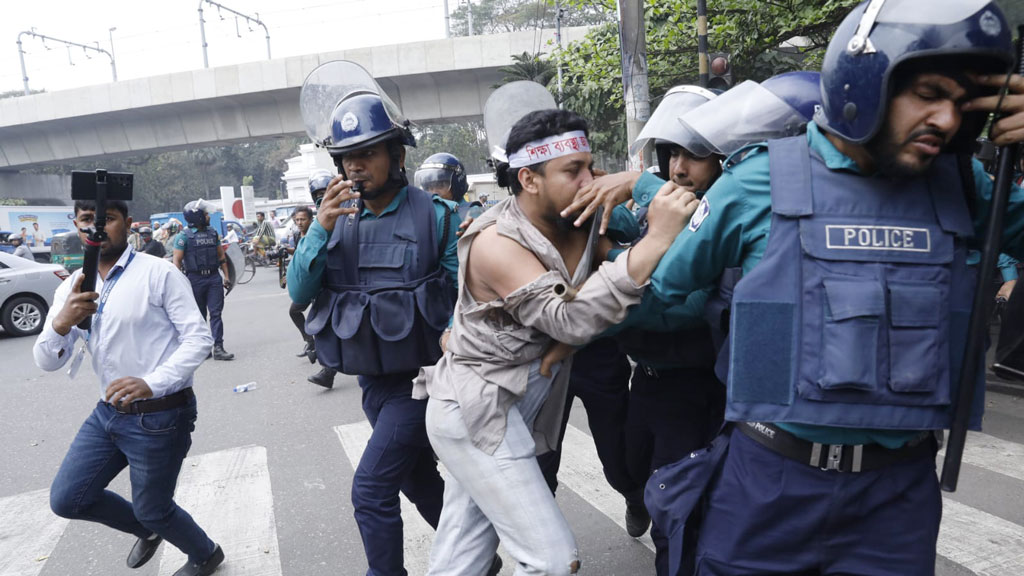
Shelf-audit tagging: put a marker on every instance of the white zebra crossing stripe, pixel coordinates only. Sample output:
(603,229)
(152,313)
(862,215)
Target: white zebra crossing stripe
(28,532)
(581,472)
(228,493)
(980,542)
(993,454)
(418,534)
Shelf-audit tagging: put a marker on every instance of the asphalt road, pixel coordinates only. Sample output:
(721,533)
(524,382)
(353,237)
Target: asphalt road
(270,470)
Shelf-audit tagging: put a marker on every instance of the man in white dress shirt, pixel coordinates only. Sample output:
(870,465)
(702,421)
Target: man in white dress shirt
(147,338)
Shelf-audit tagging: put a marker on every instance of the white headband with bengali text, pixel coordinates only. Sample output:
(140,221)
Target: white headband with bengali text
(549,148)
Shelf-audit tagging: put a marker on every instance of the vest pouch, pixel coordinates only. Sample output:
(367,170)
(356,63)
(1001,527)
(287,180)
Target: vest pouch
(850,334)
(916,334)
(382,262)
(356,344)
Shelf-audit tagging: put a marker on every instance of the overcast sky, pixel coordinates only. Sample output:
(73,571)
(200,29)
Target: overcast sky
(161,36)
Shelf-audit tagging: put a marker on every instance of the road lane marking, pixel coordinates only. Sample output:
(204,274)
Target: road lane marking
(228,493)
(28,532)
(979,541)
(418,534)
(993,454)
(581,472)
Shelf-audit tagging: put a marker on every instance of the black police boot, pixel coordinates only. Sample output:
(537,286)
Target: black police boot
(495,566)
(219,353)
(325,377)
(203,569)
(638,520)
(143,550)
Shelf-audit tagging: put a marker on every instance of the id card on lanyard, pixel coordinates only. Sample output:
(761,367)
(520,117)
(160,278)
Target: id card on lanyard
(108,286)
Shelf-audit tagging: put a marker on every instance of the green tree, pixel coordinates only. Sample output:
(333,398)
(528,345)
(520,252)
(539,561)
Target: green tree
(465,140)
(13,202)
(752,32)
(496,16)
(528,66)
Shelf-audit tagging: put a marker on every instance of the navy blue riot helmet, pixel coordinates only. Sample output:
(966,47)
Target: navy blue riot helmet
(801,90)
(345,109)
(318,182)
(881,36)
(195,212)
(440,173)
(361,121)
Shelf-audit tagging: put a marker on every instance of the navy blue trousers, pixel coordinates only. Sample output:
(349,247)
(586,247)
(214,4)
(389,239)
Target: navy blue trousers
(397,458)
(209,294)
(767,515)
(600,379)
(671,413)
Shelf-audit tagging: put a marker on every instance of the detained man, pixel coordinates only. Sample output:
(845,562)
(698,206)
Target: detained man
(497,395)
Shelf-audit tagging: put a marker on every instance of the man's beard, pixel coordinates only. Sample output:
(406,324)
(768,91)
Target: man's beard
(885,151)
(113,252)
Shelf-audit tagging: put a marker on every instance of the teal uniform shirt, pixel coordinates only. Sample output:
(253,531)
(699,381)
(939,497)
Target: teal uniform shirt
(306,270)
(732,230)
(1007,267)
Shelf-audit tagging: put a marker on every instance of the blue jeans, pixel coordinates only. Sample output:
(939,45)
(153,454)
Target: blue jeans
(209,294)
(153,446)
(397,458)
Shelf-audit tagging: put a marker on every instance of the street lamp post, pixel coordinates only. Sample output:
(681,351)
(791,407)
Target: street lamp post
(248,19)
(85,48)
(113,66)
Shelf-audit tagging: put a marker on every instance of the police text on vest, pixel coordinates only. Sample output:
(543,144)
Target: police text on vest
(892,238)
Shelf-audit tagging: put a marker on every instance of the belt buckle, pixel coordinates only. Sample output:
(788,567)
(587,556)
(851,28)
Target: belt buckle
(834,458)
(650,371)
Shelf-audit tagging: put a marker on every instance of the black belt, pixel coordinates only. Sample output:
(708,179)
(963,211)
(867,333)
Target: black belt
(178,399)
(201,272)
(839,457)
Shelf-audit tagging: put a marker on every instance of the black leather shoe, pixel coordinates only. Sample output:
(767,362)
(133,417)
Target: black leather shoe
(638,520)
(495,566)
(219,353)
(142,551)
(311,352)
(325,377)
(204,569)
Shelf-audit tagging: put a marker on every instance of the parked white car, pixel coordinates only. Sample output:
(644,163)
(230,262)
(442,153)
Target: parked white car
(26,293)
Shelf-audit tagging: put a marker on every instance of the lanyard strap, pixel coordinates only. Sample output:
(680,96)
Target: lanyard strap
(108,286)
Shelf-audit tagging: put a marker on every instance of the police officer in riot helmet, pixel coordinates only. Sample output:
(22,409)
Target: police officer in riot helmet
(198,253)
(849,325)
(319,180)
(377,264)
(442,174)
(149,245)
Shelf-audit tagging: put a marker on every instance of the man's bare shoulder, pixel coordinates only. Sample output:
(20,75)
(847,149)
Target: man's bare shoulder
(494,252)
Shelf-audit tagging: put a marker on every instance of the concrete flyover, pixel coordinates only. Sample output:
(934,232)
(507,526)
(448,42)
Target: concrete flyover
(437,81)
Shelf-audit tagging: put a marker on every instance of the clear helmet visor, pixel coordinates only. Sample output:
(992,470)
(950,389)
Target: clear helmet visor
(664,125)
(506,106)
(327,85)
(434,180)
(925,12)
(745,114)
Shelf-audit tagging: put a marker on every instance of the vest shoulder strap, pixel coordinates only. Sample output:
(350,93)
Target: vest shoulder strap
(951,182)
(789,164)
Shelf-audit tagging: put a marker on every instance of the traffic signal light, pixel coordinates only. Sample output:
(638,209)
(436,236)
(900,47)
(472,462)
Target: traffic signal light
(720,76)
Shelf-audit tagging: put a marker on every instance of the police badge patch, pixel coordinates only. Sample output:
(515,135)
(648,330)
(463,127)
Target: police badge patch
(703,209)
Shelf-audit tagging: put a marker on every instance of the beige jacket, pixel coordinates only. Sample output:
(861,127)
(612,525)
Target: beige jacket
(492,344)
